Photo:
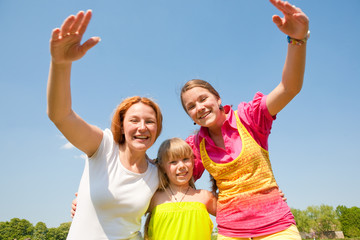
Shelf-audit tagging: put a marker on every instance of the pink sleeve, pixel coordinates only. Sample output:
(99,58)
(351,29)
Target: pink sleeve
(255,116)
(198,166)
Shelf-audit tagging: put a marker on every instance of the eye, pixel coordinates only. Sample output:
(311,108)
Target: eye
(190,107)
(202,99)
(186,159)
(150,121)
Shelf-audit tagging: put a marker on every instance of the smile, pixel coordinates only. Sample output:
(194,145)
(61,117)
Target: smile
(141,137)
(204,115)
(182,174)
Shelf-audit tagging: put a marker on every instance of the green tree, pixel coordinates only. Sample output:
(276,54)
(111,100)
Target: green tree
(40,231)
(51,234)
(63,230)
(303,221)
(350,220)
(328,219)
(323,218)
(59,233)
(16,229)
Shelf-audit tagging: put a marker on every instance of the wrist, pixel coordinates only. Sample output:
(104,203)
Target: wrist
(298,42)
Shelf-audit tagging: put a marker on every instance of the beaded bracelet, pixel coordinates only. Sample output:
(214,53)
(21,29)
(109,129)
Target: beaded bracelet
(298,42)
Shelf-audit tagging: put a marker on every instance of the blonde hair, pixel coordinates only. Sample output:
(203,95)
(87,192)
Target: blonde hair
(170,149)
(119,115)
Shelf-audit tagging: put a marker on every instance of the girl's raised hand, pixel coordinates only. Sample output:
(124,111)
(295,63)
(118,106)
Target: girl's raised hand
(65,42)
(294,23)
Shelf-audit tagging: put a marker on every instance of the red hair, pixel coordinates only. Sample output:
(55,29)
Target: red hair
(120,111)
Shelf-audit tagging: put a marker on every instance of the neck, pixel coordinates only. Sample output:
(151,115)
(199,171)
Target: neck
(179,188)
(135,161)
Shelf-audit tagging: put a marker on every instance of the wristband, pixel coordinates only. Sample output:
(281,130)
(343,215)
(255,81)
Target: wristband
(298,42)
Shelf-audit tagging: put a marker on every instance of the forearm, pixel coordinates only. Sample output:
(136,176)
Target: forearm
(294,69)
(58,91)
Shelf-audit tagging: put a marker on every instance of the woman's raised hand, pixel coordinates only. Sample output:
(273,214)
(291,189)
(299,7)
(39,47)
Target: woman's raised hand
(65,42)
(294,23)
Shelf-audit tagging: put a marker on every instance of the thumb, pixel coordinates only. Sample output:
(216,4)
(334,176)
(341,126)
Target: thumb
(91,42)
(277,20)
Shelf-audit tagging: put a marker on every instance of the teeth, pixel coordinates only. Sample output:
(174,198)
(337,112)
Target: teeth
(141,137)
(203,116)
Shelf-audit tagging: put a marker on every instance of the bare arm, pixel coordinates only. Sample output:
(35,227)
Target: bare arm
(296,25)
(211,202)
(65,48)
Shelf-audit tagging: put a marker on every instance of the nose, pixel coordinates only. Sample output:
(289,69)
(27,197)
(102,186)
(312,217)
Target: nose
(181,164)
(142,126)
(199,107)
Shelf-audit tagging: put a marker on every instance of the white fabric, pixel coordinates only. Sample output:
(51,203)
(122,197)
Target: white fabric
(111,199)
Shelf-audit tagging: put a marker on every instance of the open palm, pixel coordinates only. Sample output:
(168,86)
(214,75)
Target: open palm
(65,42)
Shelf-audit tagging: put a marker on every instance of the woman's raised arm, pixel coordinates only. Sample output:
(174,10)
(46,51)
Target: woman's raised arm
(66,47)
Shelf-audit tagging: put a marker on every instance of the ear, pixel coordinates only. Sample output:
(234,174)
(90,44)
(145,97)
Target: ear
(219,101)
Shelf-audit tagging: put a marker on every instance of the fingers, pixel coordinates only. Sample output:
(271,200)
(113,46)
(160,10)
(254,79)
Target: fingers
(76,24)
(277,20)
(55,34)
(78,20)
(64,30)
(285,7)
(90,43)
(85,22)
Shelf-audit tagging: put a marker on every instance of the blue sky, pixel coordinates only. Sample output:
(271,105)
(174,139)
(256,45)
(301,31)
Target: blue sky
(151,48)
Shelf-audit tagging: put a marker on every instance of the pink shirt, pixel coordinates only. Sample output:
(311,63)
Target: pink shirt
(256,118)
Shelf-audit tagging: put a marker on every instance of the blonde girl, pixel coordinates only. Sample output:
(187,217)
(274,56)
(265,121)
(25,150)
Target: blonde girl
(178,210)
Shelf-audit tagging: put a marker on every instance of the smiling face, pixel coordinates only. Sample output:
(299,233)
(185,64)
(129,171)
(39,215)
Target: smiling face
(179,171)
(202,106)
(140,127)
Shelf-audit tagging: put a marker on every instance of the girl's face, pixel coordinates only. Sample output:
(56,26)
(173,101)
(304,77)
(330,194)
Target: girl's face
(179,171)
(202,106)
(139,127)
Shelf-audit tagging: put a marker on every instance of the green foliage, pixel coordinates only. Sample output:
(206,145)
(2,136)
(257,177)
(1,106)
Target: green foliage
(16,229)
(350,220)
(317,219)
(303,221)
(40,231)
(22,229)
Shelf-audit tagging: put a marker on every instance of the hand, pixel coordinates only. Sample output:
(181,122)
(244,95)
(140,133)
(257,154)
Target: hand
(294,23)
(282,195)
(65,42)
(73,206)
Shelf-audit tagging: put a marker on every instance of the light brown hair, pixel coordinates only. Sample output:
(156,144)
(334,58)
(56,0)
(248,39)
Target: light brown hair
(197,83)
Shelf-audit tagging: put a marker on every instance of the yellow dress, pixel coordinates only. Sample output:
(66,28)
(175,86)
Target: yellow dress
(180,221)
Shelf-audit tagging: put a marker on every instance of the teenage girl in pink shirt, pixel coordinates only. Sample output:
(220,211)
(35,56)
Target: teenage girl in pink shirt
(232,145)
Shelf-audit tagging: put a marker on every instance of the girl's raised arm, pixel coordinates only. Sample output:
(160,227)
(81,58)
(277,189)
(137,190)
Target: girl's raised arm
(295,24)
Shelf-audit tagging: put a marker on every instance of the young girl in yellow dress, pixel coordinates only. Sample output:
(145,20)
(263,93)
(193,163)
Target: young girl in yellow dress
(178,210)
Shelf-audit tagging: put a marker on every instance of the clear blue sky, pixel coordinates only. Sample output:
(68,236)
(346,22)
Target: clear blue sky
(151,48)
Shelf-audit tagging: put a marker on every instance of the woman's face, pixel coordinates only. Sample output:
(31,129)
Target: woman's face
(202,106)
(179,171)
(140,127)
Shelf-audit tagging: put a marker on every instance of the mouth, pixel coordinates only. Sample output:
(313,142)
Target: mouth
(204,115)
(141,137)
(182,174)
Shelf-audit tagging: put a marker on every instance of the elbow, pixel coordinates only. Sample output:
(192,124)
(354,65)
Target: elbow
(56,117)
(293,89)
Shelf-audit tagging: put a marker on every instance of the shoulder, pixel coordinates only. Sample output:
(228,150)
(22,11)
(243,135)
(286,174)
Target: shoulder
(107,144)
(158,198)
